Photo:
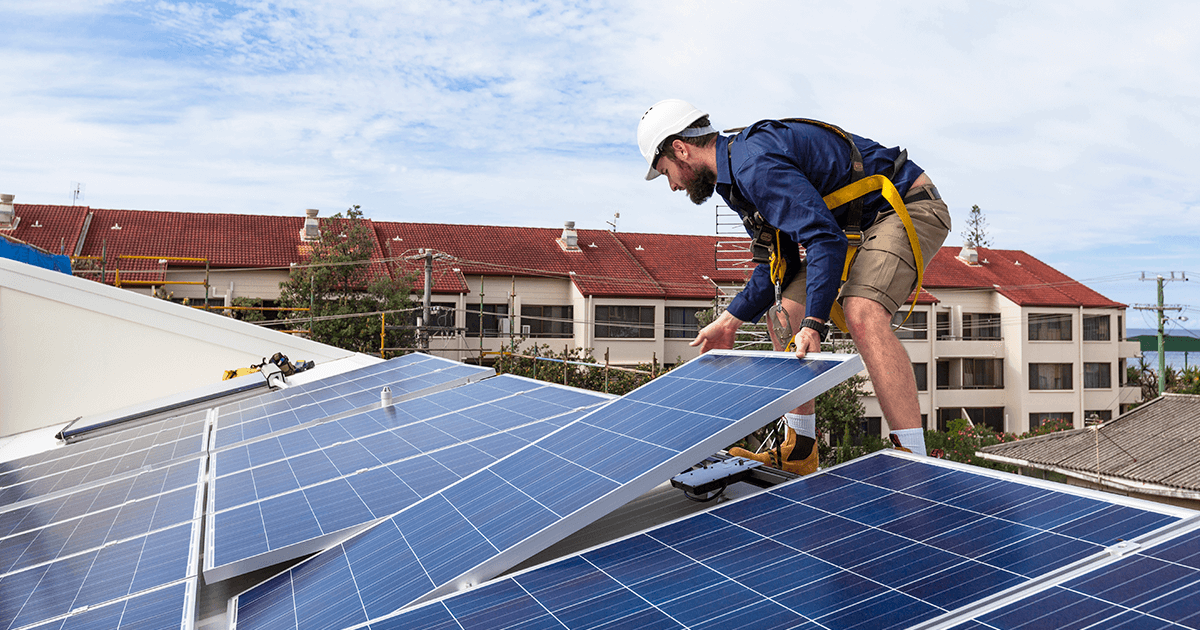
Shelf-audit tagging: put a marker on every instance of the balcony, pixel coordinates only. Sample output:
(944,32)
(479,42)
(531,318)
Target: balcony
(968,348)
(1129,349)
(1130,395)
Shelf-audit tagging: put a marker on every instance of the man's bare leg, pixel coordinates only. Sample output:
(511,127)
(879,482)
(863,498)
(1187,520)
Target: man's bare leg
(889,367)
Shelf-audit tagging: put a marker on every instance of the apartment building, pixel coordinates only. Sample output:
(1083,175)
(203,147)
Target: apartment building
(996,336)
(1005,340)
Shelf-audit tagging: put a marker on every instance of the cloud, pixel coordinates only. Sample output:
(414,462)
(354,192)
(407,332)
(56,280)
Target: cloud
(1069,123)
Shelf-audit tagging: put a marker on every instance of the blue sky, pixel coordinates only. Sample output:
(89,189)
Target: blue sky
(1073,125)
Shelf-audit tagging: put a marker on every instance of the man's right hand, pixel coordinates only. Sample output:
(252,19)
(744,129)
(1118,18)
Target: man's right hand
(719,334)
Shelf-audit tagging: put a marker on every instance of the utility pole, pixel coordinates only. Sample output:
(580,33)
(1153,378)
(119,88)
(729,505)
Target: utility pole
(1162,355)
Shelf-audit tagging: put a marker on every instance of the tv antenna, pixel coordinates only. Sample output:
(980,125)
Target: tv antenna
(77,189)
(613,223)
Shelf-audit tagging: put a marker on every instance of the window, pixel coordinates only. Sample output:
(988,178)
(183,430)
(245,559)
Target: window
(981,325)
(915,328)
(681,322)
(921,372)
(983,374)
(1095,328)
(625,322)
(1097,375)
(1120,329)
(867,425)
(495,319)
(548,321)
(1049,327)
(943,326)
(1049,376)
(991,417)
(1038,419)
(943,375)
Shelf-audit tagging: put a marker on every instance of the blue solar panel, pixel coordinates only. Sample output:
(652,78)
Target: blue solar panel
(525,502)
(283,497)
(62,558)
(1155,586)
(161,609)
(857,546)
(407,376)
(103,459)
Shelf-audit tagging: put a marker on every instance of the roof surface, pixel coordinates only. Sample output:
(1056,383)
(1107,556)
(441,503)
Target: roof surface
(1016,275)
(1157,443)
(607,264)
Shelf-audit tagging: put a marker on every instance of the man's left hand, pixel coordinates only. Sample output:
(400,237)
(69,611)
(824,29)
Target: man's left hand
(807,340)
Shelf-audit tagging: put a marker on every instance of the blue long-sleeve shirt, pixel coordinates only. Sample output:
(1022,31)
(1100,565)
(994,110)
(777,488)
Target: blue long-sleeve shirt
(784,170)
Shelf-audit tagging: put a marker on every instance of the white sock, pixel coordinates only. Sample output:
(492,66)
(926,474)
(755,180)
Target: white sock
(911,439)
(805,425)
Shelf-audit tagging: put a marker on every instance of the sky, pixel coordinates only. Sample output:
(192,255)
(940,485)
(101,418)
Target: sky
(1074,126)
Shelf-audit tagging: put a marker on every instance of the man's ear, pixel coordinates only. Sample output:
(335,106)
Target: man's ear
(681,149)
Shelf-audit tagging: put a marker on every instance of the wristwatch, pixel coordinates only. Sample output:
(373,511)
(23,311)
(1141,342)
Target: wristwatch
(821,327)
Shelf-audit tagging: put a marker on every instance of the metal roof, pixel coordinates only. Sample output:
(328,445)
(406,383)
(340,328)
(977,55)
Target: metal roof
(1153,449)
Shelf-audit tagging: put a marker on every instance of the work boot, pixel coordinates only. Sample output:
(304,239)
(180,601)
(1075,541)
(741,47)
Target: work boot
(801,465)
(896,443)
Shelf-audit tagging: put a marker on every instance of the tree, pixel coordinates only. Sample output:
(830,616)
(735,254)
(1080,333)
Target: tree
(341,285)
(976,232)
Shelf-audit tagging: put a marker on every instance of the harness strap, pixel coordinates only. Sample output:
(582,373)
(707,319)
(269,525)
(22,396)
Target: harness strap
(888,190)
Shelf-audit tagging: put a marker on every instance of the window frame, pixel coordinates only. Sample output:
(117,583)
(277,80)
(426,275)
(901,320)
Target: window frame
(607,326)
(1063,372)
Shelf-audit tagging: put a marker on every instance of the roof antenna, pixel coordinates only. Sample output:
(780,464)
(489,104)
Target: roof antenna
(77,189)
(613,223)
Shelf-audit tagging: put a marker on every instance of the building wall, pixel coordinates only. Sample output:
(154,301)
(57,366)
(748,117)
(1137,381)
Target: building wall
(71,347)
(1018,352)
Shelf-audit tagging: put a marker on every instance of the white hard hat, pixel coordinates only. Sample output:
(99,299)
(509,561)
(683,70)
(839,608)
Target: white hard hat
(662,120)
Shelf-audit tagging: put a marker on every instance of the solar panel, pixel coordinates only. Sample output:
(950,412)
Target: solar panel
(1154,583)
(290,495)
(493,519)
(886,541)
(102,459)
(168,607)
(358,390)
(61,560)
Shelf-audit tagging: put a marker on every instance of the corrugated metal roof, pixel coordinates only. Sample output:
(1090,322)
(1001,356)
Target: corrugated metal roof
(1158,443)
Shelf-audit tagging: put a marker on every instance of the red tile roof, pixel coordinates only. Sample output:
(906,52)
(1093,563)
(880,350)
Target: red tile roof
(622,264)
(1016,275)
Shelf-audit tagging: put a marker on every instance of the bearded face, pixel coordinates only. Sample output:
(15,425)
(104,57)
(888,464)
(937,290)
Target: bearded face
(699,183)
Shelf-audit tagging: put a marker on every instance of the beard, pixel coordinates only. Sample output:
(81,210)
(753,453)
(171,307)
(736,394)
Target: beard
(699,183)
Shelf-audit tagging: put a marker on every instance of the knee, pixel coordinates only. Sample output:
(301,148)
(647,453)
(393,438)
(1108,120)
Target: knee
(864,316)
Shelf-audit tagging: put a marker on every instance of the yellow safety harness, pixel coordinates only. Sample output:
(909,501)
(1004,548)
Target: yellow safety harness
(767,237)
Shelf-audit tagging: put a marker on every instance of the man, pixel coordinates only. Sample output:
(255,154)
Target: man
(775,174)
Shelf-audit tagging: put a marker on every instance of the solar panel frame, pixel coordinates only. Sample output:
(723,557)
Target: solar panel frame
(487,396)
(764,396)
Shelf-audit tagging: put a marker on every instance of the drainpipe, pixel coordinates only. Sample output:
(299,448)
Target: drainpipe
(1082,374)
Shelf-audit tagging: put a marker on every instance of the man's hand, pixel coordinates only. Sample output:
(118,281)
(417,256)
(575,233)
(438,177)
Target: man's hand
(719,334)
(807,340)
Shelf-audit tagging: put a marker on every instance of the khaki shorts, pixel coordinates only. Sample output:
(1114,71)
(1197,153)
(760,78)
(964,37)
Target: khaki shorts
(885,270)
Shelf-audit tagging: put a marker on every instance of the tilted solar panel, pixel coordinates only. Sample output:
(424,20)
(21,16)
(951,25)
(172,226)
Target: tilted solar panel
(110,558)
(525,502)
(407,376)
(171,606)
(287,496)
(102,459)
(886,541)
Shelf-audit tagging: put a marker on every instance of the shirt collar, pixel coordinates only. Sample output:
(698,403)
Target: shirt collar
(723,174)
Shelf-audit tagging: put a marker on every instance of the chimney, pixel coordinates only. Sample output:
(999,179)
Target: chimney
(8,215)
(968,254)
(569,241)
(312,228)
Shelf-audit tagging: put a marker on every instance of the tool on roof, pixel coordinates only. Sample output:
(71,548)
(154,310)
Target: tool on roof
(279,360)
